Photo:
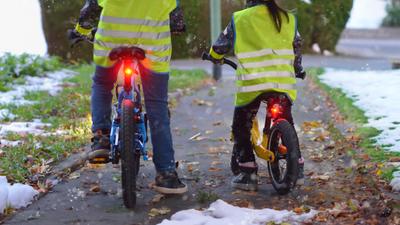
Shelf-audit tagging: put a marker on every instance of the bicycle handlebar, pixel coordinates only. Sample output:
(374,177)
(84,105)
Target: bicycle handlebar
(206,56)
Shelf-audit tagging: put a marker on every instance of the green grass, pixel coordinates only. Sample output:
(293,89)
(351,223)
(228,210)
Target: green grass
(181,79)
(357,116)
(204,197)
(68,111)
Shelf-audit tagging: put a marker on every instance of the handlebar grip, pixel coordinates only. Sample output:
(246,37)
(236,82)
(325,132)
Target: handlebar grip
(302,75)
(206,56)
(230,63)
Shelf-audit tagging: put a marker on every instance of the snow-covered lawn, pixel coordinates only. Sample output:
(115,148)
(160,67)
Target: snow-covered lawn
(51,83)
(378,94)
(221,212)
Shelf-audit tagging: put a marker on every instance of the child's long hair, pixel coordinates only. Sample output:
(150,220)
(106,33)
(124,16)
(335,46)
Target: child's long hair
(276,13)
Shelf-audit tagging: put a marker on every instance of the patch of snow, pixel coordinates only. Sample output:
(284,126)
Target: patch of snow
(5,113)
(26,15)
(377,94)
(51,83)
(7,143)
(367,14)
(395,183)
(307,1)
(3,194)
(16,196)
(221,212)
(36,127)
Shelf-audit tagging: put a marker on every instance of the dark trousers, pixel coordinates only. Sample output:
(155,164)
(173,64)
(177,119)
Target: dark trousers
(243,122)
(155,88)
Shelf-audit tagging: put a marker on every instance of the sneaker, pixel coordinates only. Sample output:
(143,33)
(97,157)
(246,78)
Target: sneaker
(300,176)
(247,179)
(168,183)
(100,152)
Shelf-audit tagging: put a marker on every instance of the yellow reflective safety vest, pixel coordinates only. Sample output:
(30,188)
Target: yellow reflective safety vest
(265,55)
(144,24)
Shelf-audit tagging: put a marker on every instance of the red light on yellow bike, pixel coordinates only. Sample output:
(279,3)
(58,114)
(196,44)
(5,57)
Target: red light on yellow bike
(128,71)
(276,110)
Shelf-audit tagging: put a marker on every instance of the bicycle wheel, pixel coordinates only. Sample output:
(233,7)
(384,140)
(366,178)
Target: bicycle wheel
(130,159)
(283,141)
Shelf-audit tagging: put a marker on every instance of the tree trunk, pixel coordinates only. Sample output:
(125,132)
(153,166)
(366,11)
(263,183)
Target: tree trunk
(57,17)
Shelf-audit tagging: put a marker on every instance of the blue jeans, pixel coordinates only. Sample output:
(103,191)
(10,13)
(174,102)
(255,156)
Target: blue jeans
(155,88)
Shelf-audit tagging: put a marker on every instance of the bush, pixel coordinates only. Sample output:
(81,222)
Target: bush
(393,17)
(328,20)
(320,22)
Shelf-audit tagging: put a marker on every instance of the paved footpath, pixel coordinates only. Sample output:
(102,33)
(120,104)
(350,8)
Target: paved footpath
(204,167)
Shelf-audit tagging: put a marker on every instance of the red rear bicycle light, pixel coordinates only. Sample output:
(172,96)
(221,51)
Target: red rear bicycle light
(128,71)
(276,110)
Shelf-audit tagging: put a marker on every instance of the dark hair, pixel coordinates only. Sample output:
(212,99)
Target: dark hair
(276,13)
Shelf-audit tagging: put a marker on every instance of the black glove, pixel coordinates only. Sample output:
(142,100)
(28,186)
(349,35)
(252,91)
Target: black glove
(177,22)
(301,75)
(74,37)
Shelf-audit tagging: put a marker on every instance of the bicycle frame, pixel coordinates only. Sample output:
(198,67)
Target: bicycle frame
(275,111)
(131,90)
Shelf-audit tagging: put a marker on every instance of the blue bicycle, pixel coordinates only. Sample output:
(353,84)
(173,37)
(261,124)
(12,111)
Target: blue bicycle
(129,124)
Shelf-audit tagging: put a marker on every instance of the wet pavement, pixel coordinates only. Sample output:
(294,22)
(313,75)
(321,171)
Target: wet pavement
(201,130)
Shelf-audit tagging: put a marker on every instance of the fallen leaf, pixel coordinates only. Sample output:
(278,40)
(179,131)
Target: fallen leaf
(209,132)
(298,210)
(157,212)
(243,203)
(157,198)
(74,175)
(214,169)
(201,102)
(218,123)
(194,136)
(391,159)
(189,167)
(324,177)
(214,163)
(95,188)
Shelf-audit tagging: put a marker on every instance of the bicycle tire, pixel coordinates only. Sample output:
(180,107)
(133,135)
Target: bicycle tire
(130,159)
(289,139)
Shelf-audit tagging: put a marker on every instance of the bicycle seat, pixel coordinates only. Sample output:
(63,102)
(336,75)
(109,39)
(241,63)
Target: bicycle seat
(122,53)
(274,96)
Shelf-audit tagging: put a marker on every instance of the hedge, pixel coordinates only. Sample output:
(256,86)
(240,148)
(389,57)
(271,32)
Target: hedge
(321,21)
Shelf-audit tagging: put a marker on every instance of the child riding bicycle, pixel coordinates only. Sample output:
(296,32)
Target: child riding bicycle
(266,42)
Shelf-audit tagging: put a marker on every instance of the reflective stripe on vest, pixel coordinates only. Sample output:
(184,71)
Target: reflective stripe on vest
(134,23)
(265,52)
(128,34)
(265,86)
(143,22)
(266,63)
(106,53)
(265,74)
(265,56)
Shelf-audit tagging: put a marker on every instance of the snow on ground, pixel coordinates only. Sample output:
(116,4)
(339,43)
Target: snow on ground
(5,113)
(377,93)
(36,127)
(15,196)
(395,183)
(367,14)
(21,22)
(221,212)
(51,83)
